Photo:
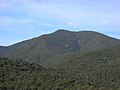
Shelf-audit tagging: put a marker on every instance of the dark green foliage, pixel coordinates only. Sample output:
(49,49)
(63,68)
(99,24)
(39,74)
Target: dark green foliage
(21,75)
(99,68)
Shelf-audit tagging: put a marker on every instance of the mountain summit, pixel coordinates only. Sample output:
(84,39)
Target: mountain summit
(41,48)
(62,60)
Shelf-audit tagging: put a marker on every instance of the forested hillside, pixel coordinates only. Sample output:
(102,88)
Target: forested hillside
(21,75)
(99,68)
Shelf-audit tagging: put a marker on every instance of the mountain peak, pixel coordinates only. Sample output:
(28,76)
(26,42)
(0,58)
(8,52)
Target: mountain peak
(62,31)
(82,31)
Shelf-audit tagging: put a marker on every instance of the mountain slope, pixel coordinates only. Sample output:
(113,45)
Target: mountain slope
(2,50)
(99,68)
(42,48)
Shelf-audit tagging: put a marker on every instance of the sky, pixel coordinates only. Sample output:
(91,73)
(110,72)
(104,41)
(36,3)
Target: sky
(24,19)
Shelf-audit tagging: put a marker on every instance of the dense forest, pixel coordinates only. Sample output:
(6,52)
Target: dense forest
(21,75)
(99,68)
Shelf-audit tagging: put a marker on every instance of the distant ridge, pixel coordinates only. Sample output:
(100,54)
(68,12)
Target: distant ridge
(42,48)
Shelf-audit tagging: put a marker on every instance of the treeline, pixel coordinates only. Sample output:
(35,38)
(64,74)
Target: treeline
(21,75)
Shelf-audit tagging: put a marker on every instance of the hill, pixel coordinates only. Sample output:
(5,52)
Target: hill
(42,48)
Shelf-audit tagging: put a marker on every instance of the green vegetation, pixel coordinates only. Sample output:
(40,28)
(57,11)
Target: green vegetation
(21,75)
(99,68)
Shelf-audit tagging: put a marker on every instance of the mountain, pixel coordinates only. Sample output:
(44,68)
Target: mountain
(63,60)
(42,48)
(2,50)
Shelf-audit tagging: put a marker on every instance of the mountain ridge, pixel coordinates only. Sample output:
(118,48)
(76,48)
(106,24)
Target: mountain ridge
(40,49)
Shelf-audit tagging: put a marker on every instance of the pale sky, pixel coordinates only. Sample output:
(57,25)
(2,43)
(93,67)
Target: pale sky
(24,19)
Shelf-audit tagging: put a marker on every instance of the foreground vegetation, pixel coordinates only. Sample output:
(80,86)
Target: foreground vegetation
(21,75)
